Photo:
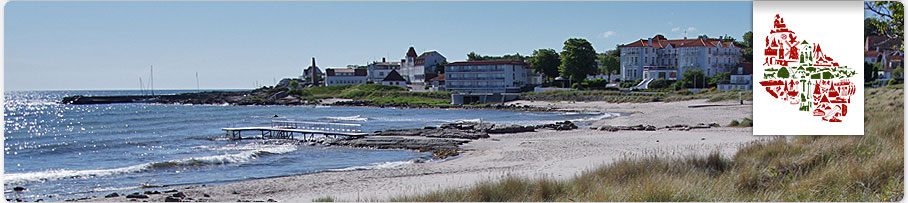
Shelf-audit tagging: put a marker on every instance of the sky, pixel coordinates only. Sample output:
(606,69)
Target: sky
(236,45)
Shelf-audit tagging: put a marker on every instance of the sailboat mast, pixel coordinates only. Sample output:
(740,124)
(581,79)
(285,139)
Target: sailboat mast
(141,86)
(152,80)
(197,87)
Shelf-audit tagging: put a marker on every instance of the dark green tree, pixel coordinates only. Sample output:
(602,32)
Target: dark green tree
(613,52)
(691,79)
(545,62)
(870,28)
(870,70)
(610,65)
(578,59)
(746,46)
(473,56)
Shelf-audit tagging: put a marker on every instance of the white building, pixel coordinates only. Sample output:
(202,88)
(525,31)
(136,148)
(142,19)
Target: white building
(418,69)
(394,79)
(345,76)
(709,55)
(486,76)
(377,71)
(741,79)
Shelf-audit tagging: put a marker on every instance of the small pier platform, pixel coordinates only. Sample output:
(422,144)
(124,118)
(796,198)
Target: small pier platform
(305,130)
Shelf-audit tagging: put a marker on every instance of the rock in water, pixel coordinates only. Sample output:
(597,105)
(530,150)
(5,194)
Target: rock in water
(112,195)
(179,194)
(172,199)
(137,195)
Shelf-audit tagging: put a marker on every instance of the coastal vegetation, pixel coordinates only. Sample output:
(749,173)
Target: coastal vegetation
(637,97)
(377,94)
(802,168)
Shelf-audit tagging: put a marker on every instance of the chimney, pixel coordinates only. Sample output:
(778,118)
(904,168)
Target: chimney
(313,61)
(383,59)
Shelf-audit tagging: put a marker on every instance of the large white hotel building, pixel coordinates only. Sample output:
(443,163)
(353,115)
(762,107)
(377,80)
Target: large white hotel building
(709,55)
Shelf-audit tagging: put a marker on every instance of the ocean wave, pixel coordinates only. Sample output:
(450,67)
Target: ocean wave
(348,118)
(57,174)
(373,166)
(595,118)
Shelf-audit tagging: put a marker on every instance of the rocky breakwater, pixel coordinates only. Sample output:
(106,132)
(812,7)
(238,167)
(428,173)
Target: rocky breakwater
(261,96)
(443,141)
(641,127)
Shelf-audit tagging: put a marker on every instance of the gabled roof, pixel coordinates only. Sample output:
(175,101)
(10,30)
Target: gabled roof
(394,76)
(424,54)
(411,52)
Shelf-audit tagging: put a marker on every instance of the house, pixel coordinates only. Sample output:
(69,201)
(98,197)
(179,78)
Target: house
(437,83)
(345,76)
(394,79)
(310,71)
(883,51)
(377,71)
(419,68)
(486,76)
(741,79)
(710,55)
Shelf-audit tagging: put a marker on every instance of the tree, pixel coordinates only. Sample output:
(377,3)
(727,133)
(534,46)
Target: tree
(473,56)
(610,65)
(718,77)
(747,46)
(703,36)
(614,52)
(691,79)
(890,19)
(870,27)
(870,70)
(545,62)
(578,59)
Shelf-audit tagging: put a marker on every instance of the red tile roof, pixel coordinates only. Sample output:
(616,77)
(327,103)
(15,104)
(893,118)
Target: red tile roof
(660,42)
(440,77)
(499,62)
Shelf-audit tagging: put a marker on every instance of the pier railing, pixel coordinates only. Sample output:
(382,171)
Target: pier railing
(320,126)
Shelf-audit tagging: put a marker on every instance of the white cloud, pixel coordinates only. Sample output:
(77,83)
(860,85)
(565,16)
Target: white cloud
(676,29)
(691,29)
(607,34)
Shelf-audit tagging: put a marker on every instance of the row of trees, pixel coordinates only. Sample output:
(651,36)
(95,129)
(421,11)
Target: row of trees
(576,60)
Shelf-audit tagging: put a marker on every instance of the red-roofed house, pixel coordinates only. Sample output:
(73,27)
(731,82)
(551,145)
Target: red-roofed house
(709,55)
(345,76)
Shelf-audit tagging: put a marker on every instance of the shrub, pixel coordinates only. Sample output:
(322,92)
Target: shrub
(661,84)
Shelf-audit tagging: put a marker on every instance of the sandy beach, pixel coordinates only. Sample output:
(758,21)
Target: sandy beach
(556,154)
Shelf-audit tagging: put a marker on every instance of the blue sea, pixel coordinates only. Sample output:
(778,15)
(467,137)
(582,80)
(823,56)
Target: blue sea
(59,151)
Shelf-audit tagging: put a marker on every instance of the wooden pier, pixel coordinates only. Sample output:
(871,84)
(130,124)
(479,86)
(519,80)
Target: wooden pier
(287,129)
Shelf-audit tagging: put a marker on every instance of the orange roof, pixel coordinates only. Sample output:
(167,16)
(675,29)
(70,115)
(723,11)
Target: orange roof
(440,77)
(661,42)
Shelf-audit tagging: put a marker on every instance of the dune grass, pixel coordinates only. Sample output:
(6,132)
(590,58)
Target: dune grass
(799,168)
